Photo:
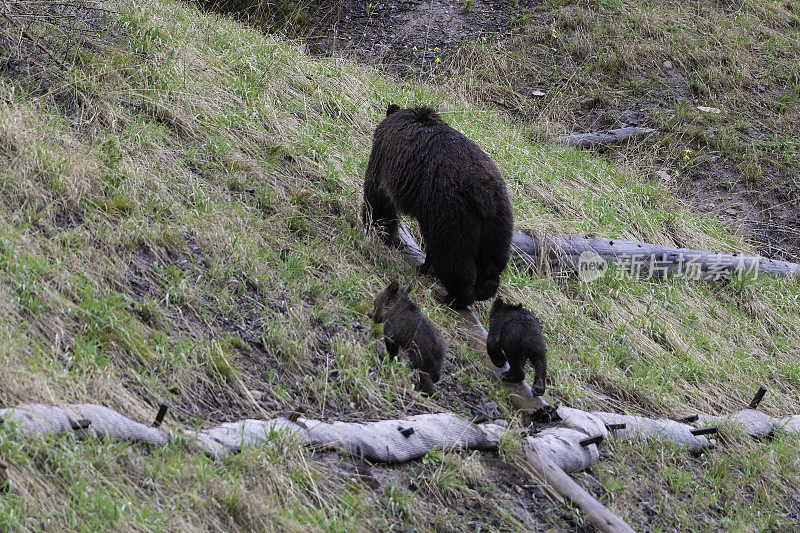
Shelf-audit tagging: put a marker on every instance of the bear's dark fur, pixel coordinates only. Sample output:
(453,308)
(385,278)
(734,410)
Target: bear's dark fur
(421,166)
(406,328)
(515,335)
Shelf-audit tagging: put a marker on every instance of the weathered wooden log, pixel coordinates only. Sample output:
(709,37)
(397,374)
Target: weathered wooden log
(589,257)
(568,488)
(601,139)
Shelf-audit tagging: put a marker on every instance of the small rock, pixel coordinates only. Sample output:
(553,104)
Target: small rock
(667,65)
(257,395)
(520,490)
(705,109)
(732,211)
(663,174)
(270,406)
(537,92)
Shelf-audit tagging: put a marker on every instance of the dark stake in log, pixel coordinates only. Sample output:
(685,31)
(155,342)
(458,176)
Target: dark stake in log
(602,139)
(589,257)
(704,431)
(406,432)
(597,439)
(81,423)
(615,427)
(762,390)
(688,419)
(296,413)
(162,412)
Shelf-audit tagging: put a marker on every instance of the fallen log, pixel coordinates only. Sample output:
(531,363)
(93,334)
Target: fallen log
(567,487)
(602,139)
(589,257)
(551,453)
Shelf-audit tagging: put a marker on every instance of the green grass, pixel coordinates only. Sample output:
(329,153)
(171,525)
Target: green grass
(193,234)
(598,61)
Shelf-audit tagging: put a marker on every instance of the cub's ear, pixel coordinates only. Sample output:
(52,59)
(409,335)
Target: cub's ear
(393,287)
(392,109)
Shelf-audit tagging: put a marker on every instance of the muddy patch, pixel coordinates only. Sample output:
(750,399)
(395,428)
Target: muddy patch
(200,326)
(408,36)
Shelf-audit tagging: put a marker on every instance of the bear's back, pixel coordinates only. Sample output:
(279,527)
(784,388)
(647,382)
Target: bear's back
(426,161)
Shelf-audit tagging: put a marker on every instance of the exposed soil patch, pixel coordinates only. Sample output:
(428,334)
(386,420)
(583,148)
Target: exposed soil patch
(406,36)
(768,218)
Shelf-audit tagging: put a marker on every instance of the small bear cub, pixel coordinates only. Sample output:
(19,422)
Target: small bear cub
(405,327)
(515,335)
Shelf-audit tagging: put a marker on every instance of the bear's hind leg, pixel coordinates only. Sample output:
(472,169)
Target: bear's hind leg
(378,211)
(458,279)
(516,374)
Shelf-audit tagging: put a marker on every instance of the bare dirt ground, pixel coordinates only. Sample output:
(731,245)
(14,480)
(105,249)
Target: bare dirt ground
(401,36)
(407,38)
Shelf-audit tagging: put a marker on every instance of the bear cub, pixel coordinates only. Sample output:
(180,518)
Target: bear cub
(406,328)
(515,335)
(422,167)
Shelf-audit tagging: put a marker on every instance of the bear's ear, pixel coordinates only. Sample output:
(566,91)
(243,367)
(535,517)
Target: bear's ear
(392,109)
(392,288)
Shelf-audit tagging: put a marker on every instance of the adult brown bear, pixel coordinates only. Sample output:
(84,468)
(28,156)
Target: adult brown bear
(421,166)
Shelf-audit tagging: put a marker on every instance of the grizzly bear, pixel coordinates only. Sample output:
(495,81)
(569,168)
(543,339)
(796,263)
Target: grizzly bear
(421,166)
(405,327)
(515,335)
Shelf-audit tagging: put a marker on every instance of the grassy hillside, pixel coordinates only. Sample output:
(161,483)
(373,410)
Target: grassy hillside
(179,220)
(600,65)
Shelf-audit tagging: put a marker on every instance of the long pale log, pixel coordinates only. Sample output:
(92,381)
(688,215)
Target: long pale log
(568,488)
(589,256)
(600,139)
